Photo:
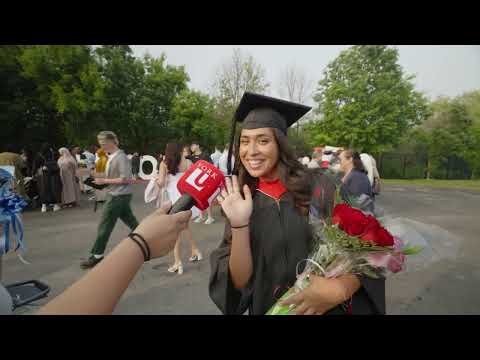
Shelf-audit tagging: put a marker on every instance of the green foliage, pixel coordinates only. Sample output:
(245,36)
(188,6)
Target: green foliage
(24,118)
(365,100)
(447,142)
(194,118)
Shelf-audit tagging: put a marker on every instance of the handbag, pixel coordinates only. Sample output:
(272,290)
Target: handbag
(154,192)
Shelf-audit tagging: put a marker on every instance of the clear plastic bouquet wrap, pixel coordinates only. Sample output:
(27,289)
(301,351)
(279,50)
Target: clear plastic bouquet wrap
(354,240)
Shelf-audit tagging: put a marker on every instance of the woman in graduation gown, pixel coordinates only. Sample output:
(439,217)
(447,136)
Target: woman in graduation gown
(267,231)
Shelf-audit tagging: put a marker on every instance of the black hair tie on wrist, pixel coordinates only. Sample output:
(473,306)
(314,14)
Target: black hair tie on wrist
(239,227)
(145,248)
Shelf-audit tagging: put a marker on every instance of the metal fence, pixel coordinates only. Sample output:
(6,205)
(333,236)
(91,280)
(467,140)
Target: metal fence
(416,166)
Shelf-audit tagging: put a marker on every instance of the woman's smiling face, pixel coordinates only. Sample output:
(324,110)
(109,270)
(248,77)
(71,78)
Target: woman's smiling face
(259,152)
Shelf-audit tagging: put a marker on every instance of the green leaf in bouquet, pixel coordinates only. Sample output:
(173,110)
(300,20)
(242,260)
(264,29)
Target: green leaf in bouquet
(278,309)
(368,271)
(412,250)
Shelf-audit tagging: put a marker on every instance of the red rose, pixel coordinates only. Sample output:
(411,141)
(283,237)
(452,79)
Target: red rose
(384,238)
(376,234)
(371,230)
(350,220)
(339,214)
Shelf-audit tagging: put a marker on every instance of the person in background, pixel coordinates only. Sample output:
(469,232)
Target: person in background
(100,169)
(370,166)
(198,154)
(47,171)
(135,164)
(119,196)
(68,170)
(89,154)
(90,159)
(222,162)
(100,162)
(160,159)
(98,292)
(76,151)
(355,180)
(27,156)
(171,170)
(316,159)
(11,158)
(216,155)
(77,154)
(376,177)
(305,161)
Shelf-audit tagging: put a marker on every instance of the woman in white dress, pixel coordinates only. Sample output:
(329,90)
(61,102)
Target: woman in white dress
(171,170)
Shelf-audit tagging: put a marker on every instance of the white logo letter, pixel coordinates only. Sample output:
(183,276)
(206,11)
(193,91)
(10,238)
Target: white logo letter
(196,180)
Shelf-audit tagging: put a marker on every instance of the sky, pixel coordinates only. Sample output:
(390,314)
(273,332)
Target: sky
(440,69)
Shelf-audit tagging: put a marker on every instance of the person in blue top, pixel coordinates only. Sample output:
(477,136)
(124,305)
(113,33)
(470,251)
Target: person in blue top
(355,181)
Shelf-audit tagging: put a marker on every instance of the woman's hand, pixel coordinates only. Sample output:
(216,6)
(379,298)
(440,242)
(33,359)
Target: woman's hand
(159,181)
(237,209)
(161,231)
(323,294)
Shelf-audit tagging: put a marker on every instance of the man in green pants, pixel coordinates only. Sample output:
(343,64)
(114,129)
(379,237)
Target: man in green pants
(119,195)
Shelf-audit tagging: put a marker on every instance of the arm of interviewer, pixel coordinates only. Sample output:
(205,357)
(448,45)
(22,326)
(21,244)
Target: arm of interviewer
(98,292)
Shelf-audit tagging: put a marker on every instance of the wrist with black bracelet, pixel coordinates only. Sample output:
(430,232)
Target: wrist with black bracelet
(142,244)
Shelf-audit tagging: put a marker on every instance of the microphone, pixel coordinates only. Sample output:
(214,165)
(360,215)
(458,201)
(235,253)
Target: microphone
(199,186)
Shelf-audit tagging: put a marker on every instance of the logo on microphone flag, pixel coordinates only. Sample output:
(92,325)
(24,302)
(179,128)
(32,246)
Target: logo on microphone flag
(202,182)
(196,179)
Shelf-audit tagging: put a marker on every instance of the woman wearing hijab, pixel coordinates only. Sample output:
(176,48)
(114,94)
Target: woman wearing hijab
(68,174)
(267,232)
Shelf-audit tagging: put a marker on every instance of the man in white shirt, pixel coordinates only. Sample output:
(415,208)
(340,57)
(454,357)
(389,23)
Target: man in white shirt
(119,195)
(222,162)
(216,156)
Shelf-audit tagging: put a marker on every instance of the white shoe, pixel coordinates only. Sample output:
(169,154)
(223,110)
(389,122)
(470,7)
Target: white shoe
(210,221)
(178,268)
(44,208)
(198,220)
(197,257)
(56,208)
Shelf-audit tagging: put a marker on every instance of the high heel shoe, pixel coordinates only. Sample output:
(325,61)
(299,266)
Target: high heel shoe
(178,268)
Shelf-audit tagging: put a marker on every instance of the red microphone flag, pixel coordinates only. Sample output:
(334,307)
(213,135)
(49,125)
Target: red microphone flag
(202,182)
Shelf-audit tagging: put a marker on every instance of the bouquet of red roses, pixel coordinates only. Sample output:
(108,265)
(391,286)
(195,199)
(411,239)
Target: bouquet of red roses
(350,242)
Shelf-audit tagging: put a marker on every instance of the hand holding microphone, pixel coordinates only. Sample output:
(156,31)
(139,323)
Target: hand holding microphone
(202,183)
(199,186)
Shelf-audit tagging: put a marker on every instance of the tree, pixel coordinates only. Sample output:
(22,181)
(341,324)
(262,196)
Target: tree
(149,122)
(239,74)
(24,118)
(295,86)
(68,83)
(193,118)
(366,101)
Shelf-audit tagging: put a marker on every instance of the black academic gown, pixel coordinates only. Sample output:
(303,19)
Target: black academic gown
(280,237)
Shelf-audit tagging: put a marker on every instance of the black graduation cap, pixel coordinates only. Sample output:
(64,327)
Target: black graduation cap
(260,111)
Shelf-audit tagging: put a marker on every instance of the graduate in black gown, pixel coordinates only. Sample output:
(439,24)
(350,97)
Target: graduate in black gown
(267,231)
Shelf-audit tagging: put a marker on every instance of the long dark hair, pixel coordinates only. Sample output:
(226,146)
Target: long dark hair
(293,175)
(357,162)
(173,156)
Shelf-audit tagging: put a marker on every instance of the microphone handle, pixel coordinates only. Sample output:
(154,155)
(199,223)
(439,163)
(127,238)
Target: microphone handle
(185,202)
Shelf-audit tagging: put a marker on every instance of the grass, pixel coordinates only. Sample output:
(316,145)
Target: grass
(445,184)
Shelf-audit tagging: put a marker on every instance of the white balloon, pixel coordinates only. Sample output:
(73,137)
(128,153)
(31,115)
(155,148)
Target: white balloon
(154,163)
